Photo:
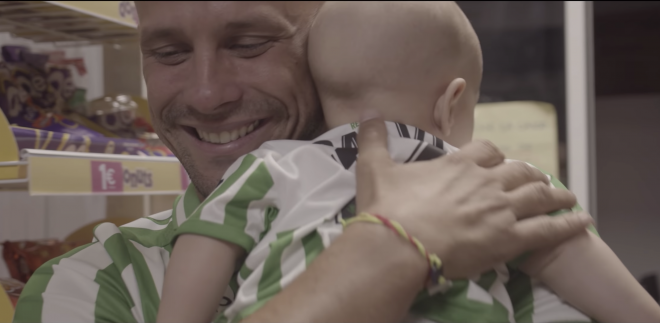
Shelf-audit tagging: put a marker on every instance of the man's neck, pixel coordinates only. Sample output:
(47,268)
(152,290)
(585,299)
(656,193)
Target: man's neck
(200,196)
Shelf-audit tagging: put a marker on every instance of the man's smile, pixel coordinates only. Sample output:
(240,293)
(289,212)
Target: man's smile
(217,136)
(228,138)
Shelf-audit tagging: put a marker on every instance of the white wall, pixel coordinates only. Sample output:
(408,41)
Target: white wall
(628,175)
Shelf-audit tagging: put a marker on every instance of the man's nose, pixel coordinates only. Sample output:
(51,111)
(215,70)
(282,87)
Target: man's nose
(212,82)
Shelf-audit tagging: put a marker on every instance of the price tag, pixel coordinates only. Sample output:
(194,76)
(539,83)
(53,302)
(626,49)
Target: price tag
(107,177)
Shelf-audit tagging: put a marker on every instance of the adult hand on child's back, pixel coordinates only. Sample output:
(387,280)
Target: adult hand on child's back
(470,208)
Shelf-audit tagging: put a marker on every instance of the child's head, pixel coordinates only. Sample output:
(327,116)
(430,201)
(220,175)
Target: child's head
(418,63)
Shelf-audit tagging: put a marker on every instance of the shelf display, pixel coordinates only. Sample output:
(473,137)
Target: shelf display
(72,147)
(30,138)
(70,21)
(37,93)
(45,172)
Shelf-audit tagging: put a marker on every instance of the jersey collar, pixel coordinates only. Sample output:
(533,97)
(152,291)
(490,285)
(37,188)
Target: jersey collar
(394,129)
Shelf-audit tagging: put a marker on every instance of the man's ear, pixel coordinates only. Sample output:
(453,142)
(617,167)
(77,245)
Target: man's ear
(444,112)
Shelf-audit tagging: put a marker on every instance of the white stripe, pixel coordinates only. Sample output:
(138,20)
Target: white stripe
(104,231)
(255,218)
(128,276)
(476,293)
(153,258)
(143,223)
(293,261)
(70,295)
(548,307)
(180,212)
(214,210)
(247,293)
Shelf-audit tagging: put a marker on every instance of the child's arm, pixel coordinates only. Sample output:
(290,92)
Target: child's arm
(587,274)
(196,278)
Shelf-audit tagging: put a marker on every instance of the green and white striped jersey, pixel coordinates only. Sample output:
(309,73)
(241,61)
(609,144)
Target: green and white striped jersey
(282,204)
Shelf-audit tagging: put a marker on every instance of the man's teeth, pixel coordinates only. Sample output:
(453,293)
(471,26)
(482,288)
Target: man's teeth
(226,136)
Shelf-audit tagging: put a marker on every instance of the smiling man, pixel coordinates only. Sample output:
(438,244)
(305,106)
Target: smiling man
(224,77)
(222,86)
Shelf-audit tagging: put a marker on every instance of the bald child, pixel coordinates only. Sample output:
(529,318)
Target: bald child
(419,65)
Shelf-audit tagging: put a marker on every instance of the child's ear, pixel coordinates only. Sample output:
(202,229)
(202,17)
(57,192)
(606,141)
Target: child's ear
(444,113)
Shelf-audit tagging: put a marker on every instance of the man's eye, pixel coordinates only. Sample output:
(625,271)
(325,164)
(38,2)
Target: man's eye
(249,50)
(169,57)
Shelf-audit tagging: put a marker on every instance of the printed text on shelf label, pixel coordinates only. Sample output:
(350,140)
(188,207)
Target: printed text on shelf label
(107,177)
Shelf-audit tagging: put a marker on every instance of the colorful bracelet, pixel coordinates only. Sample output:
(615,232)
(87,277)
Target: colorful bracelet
(435,275)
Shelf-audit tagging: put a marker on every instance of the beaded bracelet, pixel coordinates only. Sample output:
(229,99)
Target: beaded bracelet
(435,275)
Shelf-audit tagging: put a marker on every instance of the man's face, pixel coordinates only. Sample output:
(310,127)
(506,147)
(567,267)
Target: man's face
(224,77)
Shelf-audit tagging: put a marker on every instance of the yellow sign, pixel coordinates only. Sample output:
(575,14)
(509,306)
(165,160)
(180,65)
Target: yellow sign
(56,175)
(6,307)
(523,130)
(121,12)
(8,151)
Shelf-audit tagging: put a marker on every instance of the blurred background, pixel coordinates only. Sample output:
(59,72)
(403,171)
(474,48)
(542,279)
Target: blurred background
(572,87)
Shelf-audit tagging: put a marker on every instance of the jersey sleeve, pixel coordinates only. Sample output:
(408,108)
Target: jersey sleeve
(234,211)
(276,185)
(555,183)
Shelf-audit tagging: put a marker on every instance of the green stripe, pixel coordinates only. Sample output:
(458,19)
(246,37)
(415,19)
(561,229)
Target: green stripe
(116,248)
(313,245)
(233,228)
(486,280)
(519,288)
(113,302)
(245,272)
(247,161)
(269,284)
(30,304)
(160,222)
(150,238)
(454,306)
(145,282)
(190,200)
(254,189)
(269,217)
(174,210)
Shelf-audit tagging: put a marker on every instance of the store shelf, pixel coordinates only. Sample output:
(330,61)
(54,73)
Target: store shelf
(80,22)
(50,172)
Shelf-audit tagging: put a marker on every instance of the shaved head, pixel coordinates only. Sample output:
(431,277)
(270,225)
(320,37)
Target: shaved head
(391,46)
(363,53)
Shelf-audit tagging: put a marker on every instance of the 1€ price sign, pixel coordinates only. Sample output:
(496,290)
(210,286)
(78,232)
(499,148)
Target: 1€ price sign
(107,177)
